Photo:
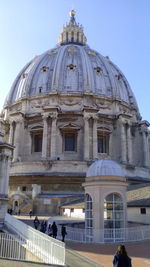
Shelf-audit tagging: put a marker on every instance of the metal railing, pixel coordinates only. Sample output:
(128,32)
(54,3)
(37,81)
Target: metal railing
(44,248)
(12,247)
(131,234)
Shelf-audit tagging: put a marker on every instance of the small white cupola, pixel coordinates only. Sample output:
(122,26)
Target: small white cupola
(105,201)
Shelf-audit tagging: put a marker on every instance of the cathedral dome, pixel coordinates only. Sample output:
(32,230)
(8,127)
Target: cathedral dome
(105,167)
(74,68)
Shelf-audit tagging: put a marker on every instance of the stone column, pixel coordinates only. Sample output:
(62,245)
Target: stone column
(86,138)
(95,138)
(123,143)
(53,136)
(145,148)
(129,143)
(110,152)
(11,132)
(45,134)
(17,138)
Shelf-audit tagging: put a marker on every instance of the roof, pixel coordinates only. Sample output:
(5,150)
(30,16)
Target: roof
(139,195)
(105,167)
(76,203)
(72,66)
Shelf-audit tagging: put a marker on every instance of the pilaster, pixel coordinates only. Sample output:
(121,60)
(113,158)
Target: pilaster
(129,144)
(45,135)
(86,137)
(11,132)
(53,135)
(123,143)
(94,137)
(17,138)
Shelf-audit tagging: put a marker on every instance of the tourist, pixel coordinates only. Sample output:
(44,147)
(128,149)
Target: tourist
(36,222)
(63,232)
(30,213)
(121,258)
(43,226)
(49,230)
(54,230)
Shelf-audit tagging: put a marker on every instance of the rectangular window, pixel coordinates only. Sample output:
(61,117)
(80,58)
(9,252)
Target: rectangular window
(37,143)
(70,142)
(143,210)
(24,188)
(102,144)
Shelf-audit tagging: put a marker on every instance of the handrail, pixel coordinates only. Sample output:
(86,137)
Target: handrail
(46,248)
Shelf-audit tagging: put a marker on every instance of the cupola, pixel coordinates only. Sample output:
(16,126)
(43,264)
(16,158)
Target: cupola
(72,32)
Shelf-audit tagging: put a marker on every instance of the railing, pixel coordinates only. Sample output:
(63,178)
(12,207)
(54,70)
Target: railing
(11,247)
(131,234)
(43,247)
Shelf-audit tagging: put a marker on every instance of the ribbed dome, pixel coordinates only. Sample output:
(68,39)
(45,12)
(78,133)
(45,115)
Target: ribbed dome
(71,67)
(105,167)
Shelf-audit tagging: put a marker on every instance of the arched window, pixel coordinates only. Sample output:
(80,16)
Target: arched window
(88,217)
(113,211)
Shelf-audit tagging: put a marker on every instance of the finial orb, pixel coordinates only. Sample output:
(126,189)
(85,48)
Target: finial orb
(72,13)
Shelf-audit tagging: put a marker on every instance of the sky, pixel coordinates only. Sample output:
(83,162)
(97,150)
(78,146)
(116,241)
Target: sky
(114,28)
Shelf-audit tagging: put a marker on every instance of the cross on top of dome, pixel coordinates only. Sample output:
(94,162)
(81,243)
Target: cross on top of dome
(72,32)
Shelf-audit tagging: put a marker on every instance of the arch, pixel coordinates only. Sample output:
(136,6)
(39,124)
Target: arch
(16,206)
(113,211)
(88,217)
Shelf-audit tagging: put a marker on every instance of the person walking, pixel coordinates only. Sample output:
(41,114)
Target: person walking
(36,222)
(63,232)
(121,258)
(49,230)
(54,230)
(30,213)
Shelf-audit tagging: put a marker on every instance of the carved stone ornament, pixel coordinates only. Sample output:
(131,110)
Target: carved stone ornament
(53,51)
(70,126)
(91,52)
(72,49)
(87,117)
(70,102)
(103,105)
(53,116)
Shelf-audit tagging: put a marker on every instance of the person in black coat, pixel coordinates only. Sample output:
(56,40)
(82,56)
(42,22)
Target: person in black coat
(54,230)
(121,258)
(63,232)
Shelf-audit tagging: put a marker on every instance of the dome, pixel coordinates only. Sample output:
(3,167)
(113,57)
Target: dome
(73,67)
(105,167)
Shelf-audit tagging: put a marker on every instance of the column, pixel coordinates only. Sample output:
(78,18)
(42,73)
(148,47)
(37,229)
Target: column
(145,148)
(86,138)
(94,137)
(129,144)
(123,143)
(10,141)
(53,137)
(17,140)
(110,149)
(45,134)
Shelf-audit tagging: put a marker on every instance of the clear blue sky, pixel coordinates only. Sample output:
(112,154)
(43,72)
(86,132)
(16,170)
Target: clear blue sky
(115,28)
